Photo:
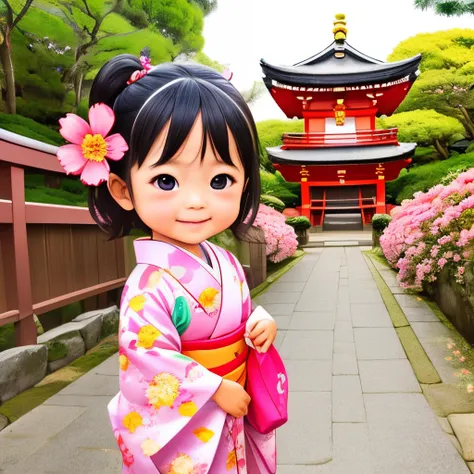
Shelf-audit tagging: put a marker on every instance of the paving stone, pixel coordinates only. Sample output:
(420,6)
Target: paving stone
(343,282)
(296,274)
(307,303)
(446,399)
(79,400)
(455,442)
(309,375)
(410,301)
(306,437)
(431,330)
(437,352)
(470,465)
(351,449)
(463,427)
(288,286)
(278,297)
(279,309)
(343,332)
(425,314)
(279,339)
(366,315)
(406,438)
(300,469)
(343,311)
(444,423)
(347,401)
(378,343)
(108,367)
(386,376)
(87,445)
(312,320)
(344,364)
(307,345)
(344,348)
(283,322)
(365,296)
(93,385)
(31,431)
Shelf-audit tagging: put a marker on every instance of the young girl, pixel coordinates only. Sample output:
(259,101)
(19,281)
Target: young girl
(181,164)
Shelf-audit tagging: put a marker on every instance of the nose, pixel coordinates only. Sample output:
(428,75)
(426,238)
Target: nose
(195,200)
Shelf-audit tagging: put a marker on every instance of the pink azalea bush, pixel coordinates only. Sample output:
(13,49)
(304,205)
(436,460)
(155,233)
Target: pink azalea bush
(432,231)
(280,237)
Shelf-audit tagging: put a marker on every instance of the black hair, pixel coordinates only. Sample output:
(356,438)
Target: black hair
(143,108)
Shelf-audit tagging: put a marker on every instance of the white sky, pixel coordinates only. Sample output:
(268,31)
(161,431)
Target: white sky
(241,32)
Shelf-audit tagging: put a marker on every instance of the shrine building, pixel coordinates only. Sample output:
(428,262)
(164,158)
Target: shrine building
(341,160)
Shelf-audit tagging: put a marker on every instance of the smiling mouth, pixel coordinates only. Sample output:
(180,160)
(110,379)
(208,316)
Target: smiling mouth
(193,222)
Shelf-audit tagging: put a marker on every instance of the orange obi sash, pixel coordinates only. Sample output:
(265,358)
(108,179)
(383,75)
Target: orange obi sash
(225,356)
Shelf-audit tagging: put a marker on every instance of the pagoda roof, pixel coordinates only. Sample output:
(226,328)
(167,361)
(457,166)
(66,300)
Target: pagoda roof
(340,65)
(342,155)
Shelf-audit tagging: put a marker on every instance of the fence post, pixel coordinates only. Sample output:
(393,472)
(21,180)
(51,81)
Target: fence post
(13,188)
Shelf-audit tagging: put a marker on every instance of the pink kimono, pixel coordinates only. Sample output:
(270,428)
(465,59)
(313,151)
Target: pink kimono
(163,417)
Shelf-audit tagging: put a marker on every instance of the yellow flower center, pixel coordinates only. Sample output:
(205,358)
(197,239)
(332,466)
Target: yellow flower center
(94,147)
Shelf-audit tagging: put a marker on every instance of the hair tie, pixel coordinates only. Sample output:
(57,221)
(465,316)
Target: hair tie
(146,65)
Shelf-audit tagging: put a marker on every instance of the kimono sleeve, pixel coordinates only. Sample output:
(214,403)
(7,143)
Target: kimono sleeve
(160,389)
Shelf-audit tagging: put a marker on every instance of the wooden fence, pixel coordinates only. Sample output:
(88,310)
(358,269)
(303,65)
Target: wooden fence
(50,255)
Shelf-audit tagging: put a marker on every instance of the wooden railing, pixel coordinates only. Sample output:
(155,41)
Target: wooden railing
(324,140)
(50,255)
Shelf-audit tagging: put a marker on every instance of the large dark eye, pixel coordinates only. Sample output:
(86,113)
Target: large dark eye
(166,182)
(221,181)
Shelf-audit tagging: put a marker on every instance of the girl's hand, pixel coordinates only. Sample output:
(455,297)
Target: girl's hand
(262,334)
(232,398)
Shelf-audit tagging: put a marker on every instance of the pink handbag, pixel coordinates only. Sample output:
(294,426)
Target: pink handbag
(267,385)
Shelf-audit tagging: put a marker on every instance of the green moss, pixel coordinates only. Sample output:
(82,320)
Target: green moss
(56,350)
(109,326)
(275,271)
(396,314)
(55,382)
(7,337)
(424,370)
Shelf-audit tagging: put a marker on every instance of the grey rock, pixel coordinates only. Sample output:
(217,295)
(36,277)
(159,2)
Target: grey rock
(110,321)
(90,329)
(21,368)
(64,343)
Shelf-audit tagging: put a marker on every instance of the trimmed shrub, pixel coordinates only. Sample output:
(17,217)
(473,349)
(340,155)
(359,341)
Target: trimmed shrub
(299,223)
(273,202)
(380,222)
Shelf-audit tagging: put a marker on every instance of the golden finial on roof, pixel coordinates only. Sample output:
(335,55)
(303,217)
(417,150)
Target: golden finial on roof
(340,30)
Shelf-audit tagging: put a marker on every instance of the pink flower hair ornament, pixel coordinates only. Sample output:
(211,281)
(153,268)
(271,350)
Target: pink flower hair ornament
(138,74)
(90,145)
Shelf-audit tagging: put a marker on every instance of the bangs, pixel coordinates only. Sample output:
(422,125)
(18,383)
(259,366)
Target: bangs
(179,106)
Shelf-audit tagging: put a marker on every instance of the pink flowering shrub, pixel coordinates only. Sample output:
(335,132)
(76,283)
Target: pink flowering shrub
(280,237)
(432,231)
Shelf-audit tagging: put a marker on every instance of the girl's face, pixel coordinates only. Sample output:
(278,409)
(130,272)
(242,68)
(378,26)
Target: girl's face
(188,199)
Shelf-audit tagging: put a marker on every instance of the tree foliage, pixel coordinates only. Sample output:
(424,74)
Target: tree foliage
(425,127)
(447,7)
(447,74)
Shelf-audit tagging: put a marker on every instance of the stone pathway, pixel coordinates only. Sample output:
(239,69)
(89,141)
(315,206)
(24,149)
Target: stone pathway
(355,404)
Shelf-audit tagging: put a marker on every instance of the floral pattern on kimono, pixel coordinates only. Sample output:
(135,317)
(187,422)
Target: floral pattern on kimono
(164,418)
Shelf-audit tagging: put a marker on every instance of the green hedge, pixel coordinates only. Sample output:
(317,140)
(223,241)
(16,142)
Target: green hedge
(31,129)
(272,201)
(275,185)
(299,223)
(424,177)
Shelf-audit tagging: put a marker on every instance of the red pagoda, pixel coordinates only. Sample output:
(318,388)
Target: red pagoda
(341,159)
